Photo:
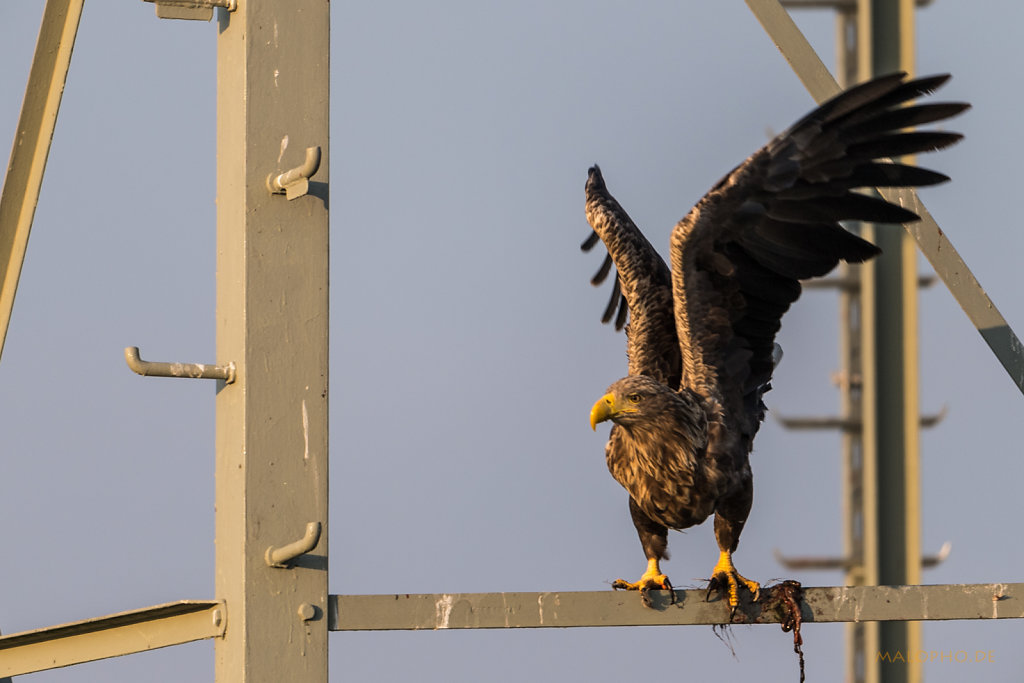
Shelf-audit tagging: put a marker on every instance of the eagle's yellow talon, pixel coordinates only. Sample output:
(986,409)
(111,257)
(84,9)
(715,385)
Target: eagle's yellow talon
(724,575)
(644,583)
(652,579)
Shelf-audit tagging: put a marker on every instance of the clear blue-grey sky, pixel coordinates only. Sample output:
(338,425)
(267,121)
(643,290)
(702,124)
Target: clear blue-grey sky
(461,135)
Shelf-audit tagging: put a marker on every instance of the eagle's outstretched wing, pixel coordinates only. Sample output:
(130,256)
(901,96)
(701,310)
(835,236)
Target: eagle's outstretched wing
(738,256)
(644,283)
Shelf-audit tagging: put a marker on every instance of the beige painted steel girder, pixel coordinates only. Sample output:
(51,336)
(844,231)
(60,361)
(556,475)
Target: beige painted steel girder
(624,608)
(32,144)
(114,635)
(273,95)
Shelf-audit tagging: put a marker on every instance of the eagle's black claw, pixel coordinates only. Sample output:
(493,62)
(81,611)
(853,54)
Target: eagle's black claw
(712,586)
(671,592)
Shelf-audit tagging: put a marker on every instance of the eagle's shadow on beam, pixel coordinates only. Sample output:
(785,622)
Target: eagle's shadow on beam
(781,603)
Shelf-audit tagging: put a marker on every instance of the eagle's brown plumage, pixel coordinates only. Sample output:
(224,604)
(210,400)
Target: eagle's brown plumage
(701,335)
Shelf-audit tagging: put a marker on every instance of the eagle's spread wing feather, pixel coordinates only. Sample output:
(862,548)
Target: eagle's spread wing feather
(738,256)
(617,306)
(642,280)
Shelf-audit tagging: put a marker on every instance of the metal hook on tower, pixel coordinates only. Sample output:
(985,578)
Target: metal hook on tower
(280,557)
(295,183)
(187,370)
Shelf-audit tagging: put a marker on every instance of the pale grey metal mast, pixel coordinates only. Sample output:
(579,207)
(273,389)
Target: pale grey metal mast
(878,377)
(272,280)
(889,300)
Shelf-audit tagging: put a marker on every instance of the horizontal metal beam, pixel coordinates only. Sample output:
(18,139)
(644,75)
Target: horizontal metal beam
(620,608)
(846,563)
(853,284)
(839,5)
(931,240)
(111,636)
(848,424)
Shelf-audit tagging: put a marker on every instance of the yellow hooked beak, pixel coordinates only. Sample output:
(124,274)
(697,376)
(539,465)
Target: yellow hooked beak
(603,410)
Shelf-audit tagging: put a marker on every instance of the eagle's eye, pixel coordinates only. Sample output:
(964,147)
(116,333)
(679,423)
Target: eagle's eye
(634,398)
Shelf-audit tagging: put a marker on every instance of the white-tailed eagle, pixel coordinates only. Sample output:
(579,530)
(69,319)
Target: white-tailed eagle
(701,334)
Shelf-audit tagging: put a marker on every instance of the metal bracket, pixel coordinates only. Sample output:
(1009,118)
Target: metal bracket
(280,557)
(295,183)
(187,370)
(197,10)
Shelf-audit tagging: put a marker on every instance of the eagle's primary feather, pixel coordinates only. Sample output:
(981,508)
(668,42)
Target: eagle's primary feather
(701,333)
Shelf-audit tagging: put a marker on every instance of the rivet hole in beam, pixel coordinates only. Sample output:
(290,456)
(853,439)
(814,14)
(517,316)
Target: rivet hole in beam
(624,608)
(933,243)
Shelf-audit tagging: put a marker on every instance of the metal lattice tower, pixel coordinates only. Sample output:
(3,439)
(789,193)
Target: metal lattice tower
(272,611)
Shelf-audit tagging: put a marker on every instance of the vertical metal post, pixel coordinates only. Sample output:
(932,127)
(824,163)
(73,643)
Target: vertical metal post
(851,316)
(891,293)
(272,295)
(850,391)
(868,641)
(912,550)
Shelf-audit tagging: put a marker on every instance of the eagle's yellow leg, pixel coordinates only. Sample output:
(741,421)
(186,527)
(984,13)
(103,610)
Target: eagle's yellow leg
(652,579)
(725,575)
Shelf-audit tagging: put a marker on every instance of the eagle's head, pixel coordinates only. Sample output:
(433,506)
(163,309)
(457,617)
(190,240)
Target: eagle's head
(634,400)
(647,409)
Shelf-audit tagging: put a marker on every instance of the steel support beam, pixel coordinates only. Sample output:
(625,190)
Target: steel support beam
(111,636)
(886,37)
(621,608)
(838,5)
(859,636)
(32,144)
(272,323)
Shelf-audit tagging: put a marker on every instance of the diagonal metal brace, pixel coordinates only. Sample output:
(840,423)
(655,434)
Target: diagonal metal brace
(32,140)
(112,636)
